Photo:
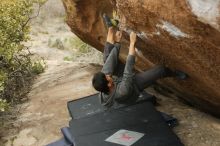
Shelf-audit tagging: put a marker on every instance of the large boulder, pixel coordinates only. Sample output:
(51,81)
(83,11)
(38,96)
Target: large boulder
(181,34)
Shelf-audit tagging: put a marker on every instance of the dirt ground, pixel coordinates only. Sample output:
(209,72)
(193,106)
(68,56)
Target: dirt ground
(41,117)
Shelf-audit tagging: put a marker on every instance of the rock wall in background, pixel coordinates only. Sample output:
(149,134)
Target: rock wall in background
(181,34)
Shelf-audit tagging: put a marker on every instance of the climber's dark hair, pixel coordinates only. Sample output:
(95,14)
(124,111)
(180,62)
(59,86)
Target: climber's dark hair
(100,83)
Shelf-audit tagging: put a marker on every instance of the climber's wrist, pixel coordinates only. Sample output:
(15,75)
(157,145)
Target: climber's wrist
(131,49)
(132,45)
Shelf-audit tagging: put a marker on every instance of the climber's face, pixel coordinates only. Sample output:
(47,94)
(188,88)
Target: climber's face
(110,81)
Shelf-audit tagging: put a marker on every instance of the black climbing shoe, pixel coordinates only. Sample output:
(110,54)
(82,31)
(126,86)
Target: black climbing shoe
(180,75)
(115,22)
(110,22)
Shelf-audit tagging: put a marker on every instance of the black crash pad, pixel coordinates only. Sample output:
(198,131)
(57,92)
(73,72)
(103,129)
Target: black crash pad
(90,105)
(143,117)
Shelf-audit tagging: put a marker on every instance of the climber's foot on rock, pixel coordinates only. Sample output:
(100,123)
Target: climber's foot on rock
(110,22)
(180,75)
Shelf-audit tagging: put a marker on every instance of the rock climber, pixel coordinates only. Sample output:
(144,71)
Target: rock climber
(129,85)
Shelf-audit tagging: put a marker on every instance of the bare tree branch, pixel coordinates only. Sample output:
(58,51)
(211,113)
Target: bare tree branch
(30,18)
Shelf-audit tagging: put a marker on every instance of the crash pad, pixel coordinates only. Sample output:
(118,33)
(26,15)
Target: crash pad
(91,105)
(142,119)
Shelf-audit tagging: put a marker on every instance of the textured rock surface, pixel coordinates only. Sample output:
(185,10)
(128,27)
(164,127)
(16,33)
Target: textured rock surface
(183,35)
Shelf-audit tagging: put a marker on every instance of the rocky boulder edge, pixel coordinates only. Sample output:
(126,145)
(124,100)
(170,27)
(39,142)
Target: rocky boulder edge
(182,35)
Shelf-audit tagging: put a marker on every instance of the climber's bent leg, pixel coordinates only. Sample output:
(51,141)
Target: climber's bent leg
(109,45)
(147,78)
(110,35)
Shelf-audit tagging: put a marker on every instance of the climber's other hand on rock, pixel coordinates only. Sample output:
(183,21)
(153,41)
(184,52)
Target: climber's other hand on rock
(133,37)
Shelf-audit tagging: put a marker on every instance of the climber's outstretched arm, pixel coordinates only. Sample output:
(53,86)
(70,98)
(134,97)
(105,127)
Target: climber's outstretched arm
(109,45)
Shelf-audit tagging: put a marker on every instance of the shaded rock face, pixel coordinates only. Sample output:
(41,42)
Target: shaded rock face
(183,35)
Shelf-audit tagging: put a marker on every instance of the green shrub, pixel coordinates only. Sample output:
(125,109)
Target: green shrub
(3,105)
(58,44)
(67,58)
(81,46)
(16,68)
(38,67)
(70,43)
